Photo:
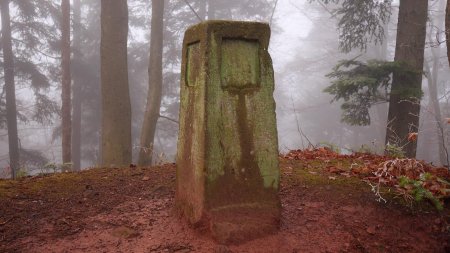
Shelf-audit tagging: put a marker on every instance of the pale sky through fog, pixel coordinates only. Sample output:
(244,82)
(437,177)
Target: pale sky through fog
(294,25)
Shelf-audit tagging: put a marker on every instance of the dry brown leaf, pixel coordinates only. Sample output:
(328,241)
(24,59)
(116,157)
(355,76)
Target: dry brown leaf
(365,170)
(370,230)
(345,174)
(412,136)
(334,169)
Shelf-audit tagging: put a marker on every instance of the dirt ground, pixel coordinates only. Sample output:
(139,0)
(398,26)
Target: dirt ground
(131,210)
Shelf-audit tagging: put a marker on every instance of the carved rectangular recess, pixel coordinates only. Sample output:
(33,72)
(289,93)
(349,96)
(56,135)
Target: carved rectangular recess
(240,63)
(193,64)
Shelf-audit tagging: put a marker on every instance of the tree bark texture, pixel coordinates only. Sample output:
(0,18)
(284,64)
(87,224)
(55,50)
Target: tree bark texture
(66,83)
(10,91)
(447,29)
(404,107)
(432,76)
(116,106)
(76,88)
(155,84)
(433,81)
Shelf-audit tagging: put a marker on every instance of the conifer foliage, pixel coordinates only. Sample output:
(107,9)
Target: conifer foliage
(363,84)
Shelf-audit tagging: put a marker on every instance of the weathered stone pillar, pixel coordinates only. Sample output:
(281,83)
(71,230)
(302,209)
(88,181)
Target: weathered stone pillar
(227,162)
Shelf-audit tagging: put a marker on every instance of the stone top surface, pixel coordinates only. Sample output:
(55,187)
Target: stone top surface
(229,29)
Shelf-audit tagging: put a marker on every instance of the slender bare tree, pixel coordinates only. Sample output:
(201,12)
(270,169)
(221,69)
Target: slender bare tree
(66,82)
(432,75)
(10,90)
(76,88)
(154,85)
(447,29)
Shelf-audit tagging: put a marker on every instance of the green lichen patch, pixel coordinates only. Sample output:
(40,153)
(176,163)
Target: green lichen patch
(227,145)
(240,67)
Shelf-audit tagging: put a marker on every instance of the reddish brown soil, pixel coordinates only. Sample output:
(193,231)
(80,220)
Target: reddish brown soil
(130,210)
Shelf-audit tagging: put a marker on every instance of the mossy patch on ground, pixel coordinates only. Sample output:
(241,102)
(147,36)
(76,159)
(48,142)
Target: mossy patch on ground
(356,174)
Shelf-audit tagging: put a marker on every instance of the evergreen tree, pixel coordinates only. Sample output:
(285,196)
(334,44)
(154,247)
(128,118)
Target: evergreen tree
(25,44)
(360,22)
(406,90)
(9,89)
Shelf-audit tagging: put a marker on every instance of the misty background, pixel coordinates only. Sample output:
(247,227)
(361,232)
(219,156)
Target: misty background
(304,47)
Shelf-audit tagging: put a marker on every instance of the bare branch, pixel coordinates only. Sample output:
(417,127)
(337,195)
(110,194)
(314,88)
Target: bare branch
(169,119)
(273,12)
(192,9)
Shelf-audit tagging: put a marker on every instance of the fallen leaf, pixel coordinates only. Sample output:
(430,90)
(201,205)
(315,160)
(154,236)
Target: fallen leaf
(334,169)
(332,178)
(434,187)
(145,178)
(361,170)
(345,174)
(365,170)
(322,150)
(412,136)
(4,222)
(371,230)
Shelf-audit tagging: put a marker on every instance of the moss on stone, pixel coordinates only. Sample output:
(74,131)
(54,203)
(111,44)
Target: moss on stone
(227,147)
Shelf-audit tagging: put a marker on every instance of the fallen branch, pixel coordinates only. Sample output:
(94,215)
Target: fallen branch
(5,222)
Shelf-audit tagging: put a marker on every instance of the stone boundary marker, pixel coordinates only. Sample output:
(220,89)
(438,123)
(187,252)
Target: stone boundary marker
(227,160)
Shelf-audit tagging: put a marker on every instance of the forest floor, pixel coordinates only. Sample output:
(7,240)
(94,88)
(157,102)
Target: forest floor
(327,206)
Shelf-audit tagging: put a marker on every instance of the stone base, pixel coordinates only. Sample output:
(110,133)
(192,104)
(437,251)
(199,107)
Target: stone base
(241,224)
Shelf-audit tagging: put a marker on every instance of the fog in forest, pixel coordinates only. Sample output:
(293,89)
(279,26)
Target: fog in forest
(305,46)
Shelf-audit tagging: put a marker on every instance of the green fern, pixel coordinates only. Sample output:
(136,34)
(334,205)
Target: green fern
(418,192)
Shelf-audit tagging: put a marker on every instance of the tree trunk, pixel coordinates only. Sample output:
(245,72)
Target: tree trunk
(66,89)
(155,84)
(432,77)
(76,110)
(381,109)
(116,105)
(404,102)
(10,91)
(447,29)
(433,81)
